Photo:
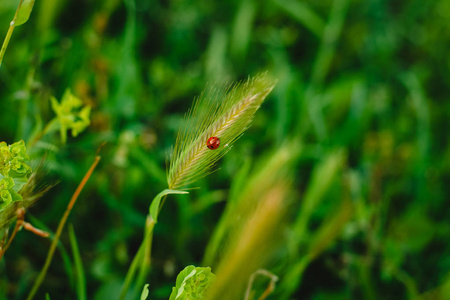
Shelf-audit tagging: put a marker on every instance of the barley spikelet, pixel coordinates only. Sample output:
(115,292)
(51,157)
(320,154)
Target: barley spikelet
(223,113)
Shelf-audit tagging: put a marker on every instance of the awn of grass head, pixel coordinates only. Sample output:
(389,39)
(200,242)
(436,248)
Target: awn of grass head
(223,113)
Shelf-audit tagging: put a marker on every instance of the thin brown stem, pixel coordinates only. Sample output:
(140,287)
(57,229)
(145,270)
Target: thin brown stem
(270,287)
(61,224)
(36,231)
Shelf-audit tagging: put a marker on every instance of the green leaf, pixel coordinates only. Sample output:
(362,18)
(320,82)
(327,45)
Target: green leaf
(6,183)
(82,121)
(18,150)
(14,172)
(57,108)
(19,169)
(13,165)
(24,11)
(183,275)
(154,207)
(15,196)
(70,101)
(71,114)
(5,199)
(192,283)
(7,193)
(80,277)
(145,292)
(19,182)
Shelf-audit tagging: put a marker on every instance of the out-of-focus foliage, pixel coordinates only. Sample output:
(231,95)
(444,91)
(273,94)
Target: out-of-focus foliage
(362,98)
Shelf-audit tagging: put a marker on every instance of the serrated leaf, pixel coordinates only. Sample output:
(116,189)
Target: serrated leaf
(192,283)
(24,11)
(145,292)
(154,207)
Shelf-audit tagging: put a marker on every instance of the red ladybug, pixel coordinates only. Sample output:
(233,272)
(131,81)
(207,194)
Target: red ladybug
(213,143)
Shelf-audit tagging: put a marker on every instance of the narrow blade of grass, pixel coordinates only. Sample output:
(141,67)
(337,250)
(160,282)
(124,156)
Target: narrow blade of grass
(304,14)
(80,277)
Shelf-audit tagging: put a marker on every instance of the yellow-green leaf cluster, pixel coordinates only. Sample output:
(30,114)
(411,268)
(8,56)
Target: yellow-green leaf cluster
(192,283)
(71,114)
(14,172)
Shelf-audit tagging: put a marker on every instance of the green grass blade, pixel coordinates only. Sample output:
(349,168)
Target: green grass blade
(268,170)
(323,176)
(145,292)
(322,66)
(24,11)
(154,207)
(330,39)
(68,267)
(242,28)
(80,276)
(304,14)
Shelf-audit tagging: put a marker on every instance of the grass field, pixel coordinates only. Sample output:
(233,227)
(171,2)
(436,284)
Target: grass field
(338,189)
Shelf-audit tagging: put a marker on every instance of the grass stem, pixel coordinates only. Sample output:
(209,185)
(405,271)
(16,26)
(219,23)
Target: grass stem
(12,25)
(146,243)
(60,228)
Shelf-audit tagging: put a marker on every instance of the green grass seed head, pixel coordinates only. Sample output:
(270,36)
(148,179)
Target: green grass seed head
(219,112)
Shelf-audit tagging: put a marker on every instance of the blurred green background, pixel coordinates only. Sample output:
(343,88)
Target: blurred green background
(363,92)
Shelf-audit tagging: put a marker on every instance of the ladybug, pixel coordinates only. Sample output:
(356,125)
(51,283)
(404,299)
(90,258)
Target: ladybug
(213,143)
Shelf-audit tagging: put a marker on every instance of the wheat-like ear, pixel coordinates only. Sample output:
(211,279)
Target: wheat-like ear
(219,112)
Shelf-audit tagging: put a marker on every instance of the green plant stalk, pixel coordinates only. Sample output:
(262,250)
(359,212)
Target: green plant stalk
(146,259)
(137,259)
(321,68)
(81,278)
(142,257)
(303,13)
(68,267)
(24,103)
(191,158)
(61,224)
(12,25)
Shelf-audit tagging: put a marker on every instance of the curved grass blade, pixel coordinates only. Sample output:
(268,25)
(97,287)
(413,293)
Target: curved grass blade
(154,207)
